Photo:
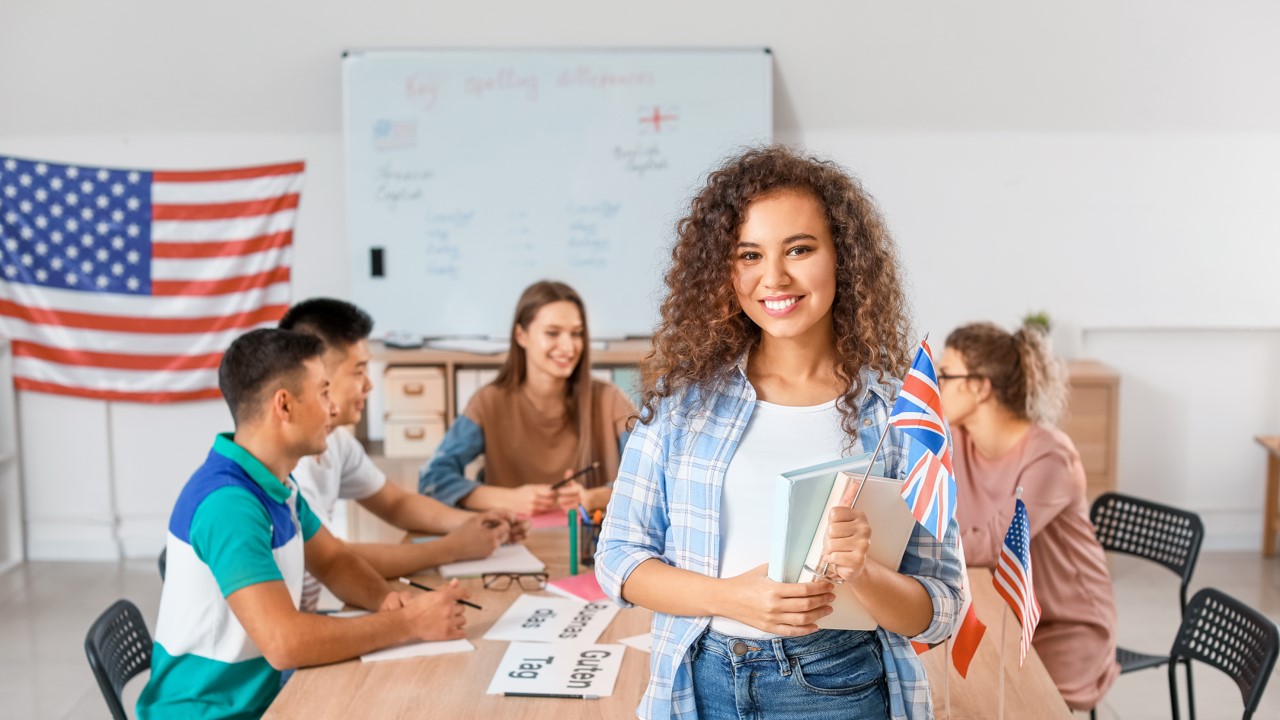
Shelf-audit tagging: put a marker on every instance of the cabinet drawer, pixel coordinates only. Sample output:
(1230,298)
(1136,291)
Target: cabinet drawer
(1088,424)
(413,436)
(416,391)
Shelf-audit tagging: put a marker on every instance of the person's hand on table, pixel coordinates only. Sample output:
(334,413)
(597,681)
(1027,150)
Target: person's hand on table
(394,600)
(517,527)
(478,537)
(531,499)
(437,615)
(572,494)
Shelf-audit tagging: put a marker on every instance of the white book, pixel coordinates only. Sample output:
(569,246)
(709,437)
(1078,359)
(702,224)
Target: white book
(891,527)
(506,559)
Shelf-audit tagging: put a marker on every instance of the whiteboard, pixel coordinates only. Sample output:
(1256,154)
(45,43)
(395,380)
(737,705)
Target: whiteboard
(474,173)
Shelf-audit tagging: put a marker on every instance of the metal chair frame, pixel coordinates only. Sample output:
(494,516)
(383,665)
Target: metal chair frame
(1223,632)
(1165,535)
(118,646)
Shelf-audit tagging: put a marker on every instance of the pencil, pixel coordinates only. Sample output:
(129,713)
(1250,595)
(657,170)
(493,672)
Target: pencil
(583,471)
(551,695)
(420,586)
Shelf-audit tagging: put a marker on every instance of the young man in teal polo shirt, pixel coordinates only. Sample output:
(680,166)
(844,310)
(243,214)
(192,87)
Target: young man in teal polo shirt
(240,538)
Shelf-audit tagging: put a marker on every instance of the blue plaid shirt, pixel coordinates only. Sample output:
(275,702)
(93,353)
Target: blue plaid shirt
(666,505)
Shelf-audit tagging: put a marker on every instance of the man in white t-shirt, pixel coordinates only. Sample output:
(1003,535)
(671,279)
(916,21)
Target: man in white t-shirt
(344,471)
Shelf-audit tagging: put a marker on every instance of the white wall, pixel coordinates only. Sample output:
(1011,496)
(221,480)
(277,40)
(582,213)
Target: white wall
(995,134)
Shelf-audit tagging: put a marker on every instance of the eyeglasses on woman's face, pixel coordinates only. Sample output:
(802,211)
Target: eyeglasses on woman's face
(967,376)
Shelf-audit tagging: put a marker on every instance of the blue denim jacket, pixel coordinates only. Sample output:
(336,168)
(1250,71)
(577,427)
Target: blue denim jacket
(666,505)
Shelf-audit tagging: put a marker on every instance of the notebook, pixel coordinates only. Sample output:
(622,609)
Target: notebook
(800,525)
(891,527)
(506,559)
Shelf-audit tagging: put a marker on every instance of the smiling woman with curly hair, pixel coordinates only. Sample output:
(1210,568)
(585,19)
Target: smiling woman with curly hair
(781,335)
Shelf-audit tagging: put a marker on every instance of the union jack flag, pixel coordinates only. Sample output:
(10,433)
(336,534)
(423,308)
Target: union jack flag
(1013,576)
(930,489)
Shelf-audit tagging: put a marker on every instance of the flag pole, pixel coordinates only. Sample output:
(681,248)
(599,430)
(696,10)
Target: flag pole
(946,676)
(1004,616)
(876,453)
(825,566)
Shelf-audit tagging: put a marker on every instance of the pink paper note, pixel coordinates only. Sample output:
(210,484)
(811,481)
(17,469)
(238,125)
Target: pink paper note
(553,519)
(582,586)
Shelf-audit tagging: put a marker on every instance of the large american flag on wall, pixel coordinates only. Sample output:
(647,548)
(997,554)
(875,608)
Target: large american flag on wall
(130,284)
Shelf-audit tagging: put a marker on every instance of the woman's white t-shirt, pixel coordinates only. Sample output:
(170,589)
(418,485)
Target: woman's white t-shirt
(778,438)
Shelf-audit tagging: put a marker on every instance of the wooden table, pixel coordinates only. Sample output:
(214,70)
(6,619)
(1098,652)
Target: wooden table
(453,686)
(1271,506)
(1029,692)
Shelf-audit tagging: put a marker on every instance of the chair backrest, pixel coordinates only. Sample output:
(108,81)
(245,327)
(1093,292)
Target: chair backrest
(1223,632)
(118,647)
(1159,533)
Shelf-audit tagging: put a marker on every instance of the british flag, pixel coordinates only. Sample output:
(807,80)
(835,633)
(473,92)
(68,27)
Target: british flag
(1012,577)
(930,488)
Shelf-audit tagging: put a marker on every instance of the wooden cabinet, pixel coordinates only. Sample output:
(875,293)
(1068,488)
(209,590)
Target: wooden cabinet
(446,364)
(1092,421)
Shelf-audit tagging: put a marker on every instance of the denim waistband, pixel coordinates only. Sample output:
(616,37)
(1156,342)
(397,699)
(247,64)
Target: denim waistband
(781,649)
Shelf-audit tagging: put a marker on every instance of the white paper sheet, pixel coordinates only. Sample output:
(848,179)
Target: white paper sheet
(560,669)
(419,649)
(541,618)
(508,558)
(643,643)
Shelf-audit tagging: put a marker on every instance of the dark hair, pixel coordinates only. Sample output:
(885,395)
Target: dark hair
(703,328)
(1025,376)
(337,322)
(260,362)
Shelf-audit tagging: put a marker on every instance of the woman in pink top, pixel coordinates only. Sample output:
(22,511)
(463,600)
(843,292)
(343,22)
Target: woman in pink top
(1002,394)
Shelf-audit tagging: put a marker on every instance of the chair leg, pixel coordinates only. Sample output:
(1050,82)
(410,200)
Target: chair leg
(1173,688)
(1093,714)
(1191,696)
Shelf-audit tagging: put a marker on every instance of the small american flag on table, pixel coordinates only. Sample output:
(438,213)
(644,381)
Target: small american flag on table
(129,284)
(1013,578)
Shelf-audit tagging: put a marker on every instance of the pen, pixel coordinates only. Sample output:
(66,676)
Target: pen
(420,586)
(551,695)
(586,519)
(583,471)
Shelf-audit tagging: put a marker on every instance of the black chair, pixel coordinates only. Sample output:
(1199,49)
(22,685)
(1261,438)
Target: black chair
(1223,632)
(1164,535)
(119,647)
(160,561)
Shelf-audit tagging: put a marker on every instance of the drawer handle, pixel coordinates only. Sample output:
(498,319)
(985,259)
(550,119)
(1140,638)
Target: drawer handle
(415,433)
(414,388)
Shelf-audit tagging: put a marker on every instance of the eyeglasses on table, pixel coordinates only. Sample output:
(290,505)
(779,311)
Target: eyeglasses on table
(503,581)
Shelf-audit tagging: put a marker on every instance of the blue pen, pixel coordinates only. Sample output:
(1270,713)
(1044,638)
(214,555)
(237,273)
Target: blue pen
(585,517)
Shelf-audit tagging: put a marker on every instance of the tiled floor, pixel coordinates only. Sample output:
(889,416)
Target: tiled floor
(45,609)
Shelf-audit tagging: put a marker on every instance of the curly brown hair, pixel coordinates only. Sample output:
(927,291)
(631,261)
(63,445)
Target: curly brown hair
(704,330)
(1025,376)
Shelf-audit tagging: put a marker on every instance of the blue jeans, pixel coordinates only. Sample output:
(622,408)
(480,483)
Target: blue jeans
(829,675)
